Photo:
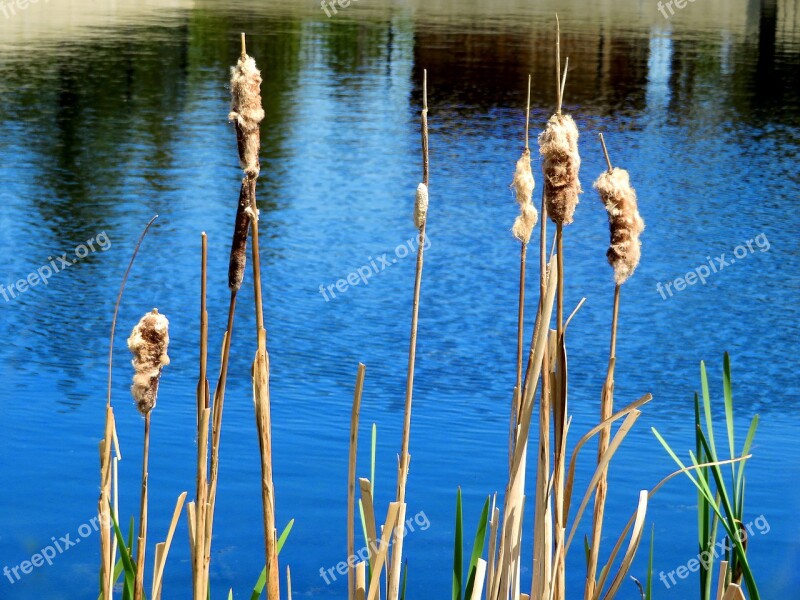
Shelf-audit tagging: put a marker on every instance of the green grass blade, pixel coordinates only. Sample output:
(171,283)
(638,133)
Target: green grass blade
(258,588)
(727,391)
(477,549)
(127,561)
(707,410)
(648,590)
(748,444)
(458,551)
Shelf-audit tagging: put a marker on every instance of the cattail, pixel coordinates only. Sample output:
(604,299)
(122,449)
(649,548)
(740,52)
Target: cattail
(247,112)
(148,343)
(523,185)
(421,206)
(244,215)
(624,222)
(558,145)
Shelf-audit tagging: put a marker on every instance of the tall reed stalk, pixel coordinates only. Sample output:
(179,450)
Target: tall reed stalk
(624,251)
(109,464)
(148,343)
(420,211)
(558,145)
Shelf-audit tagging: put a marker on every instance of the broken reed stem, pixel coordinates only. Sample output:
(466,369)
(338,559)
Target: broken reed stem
(351,480)
(138,593)
(107,472)
(393,570)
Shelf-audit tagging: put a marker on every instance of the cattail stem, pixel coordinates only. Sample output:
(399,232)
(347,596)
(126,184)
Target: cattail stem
(558,66)
(605,153)
(393,570)
(606,410)
(351,480)
(199,510)
(142,540)
(560,417)
(247,113)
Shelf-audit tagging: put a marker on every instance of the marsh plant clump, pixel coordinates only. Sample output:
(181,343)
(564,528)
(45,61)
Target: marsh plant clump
(539,409)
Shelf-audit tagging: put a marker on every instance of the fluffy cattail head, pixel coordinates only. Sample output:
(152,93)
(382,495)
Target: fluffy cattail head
(523,185)
(558,145)
(421,205)
(148,343)
(247,112)
(624,222)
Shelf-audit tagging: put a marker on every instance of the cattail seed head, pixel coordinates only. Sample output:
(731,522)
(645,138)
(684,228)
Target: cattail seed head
(148,343)
(247,113)
(523,185)
(558,145)
(625,223)
(241,228)
(421,206)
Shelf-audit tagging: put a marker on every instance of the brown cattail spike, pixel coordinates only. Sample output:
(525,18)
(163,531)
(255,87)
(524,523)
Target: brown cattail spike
(244,214)
(523,185)
(558,145)
(148,343)
(247,113)
(624,222)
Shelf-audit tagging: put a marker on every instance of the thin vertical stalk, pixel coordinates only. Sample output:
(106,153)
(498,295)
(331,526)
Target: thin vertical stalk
(606,409)
(393,573)
(351,481)
(199,564)
(108,546)
(138,593)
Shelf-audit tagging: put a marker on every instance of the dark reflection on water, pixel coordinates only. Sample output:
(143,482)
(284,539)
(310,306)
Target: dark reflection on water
(103,126)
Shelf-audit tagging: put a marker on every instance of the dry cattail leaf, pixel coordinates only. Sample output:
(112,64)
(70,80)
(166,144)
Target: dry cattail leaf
(148,343)
(558,145)
(523,186)
(421,205)
(625,223)
(247,112)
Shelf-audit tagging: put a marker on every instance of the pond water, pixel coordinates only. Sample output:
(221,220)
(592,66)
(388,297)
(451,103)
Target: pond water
(110,114)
